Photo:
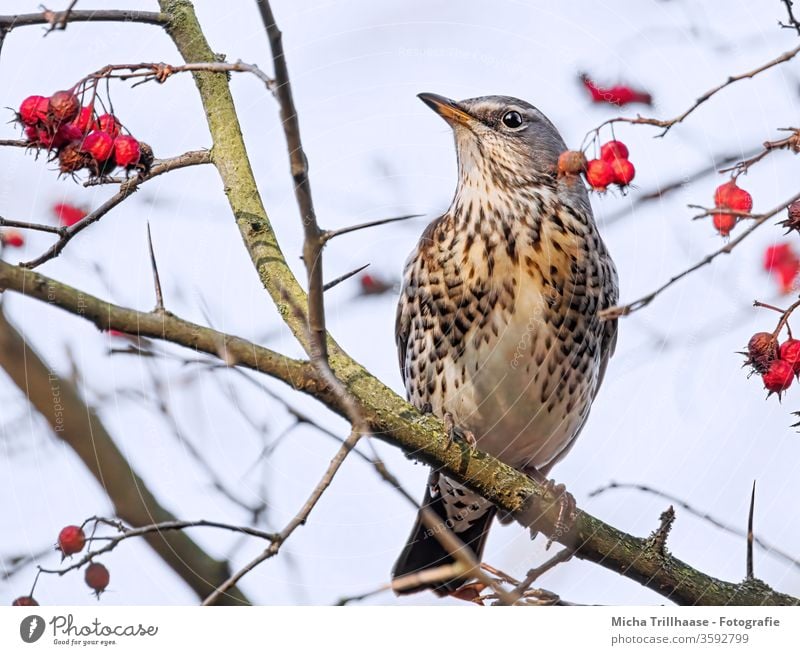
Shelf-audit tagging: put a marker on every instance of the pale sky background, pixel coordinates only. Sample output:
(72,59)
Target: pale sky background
(676,412)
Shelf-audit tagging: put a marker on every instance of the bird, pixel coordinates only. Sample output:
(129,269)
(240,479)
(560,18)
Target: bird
(498,329)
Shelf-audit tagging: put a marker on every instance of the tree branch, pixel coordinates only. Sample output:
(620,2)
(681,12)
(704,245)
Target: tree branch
(10,22)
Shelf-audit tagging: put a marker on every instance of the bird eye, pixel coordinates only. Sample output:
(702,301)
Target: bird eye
(512,119)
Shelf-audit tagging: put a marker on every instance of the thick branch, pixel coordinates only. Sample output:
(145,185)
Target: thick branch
(76,424)
(423,437)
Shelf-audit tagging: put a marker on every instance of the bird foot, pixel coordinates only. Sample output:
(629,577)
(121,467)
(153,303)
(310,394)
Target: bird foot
(566,505)
(454,431)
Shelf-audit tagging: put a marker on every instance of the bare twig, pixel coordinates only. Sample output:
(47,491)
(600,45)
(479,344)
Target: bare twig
(758,220)
(329,285)
(126,189)
(791,142)
(749,569)
(154,267)
(59,20)
(667,124)
(793,23)
(534,574)
(40,227)
(46,17)
(327,235)
(705,516)
(658,540)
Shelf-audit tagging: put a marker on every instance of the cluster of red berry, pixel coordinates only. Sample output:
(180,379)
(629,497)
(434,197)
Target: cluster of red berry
(733,198)
(78,137)
(777,365)
(613,167)
(72,540)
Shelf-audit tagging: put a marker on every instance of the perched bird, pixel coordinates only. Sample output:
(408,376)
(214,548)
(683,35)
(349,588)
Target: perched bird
(497,325)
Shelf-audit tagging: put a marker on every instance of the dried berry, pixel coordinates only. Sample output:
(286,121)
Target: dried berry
(65,134)
(97,577)
(98,144)
(778,377)
(762,350)
(571,162)
(146,159)
(724,223)
(613,150)
(72,159)
(126,151)
(71,540)
(33,110)
(64,106)
(599,174)
(110,124)
(792,221)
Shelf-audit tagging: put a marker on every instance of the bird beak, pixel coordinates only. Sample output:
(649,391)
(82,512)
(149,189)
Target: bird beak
(446,108)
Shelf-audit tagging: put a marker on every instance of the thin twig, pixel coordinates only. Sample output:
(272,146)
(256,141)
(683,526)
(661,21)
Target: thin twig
(793,24)
(534,574)
(59,20)
(192,158)
(327,235)
(705,516)
(156,280)
(329,285)
(749,575)
(10,22)
(667,124)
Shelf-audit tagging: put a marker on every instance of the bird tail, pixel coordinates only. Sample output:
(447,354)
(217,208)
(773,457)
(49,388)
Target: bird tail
(423,551)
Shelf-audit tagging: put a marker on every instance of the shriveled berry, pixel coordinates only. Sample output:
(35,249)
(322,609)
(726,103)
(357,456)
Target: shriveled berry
(778,377)
(613,150)
(33,110)
(72,159)
(25,601)
(110,124)
(146,159)
(12,238)
(97,577)
(790,352)
(84,121)
(571,162)
(762,350)
(71,540)
(731,196)
(624,172)
(599,174)
(724,223)
(64,106)
(98,144)
(126,151)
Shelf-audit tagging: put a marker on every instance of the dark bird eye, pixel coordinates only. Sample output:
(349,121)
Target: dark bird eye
(512,119)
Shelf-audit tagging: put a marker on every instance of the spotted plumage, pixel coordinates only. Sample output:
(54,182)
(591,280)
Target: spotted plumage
(497,324)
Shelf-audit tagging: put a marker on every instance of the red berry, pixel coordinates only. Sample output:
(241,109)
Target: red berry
(778,377)
(790,352)
(64,106)
(12,238)
(26,601)
(110,124)
(97,577)
(613,150)
(98,144)
(71,540)
(599,174)
(84,121)
(126,151)
(724,223)
(38,136)
(786,274)
(33,110)
(624,172)
(65,134)
(68,214)
(730,196)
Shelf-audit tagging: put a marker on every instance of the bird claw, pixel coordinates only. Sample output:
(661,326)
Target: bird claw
(454,431)
(566,511)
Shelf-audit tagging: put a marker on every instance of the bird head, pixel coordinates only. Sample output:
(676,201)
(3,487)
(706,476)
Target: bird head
(499,138)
